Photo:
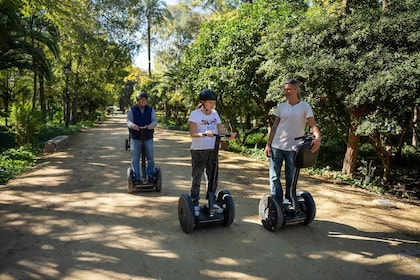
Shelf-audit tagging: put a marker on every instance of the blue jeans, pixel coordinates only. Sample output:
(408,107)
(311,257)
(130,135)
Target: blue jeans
(135,148)
(276,162)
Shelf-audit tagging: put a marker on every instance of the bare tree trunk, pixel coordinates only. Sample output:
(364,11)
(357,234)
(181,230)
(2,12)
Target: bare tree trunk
(346,7)
(415,138)
(74,106)
(350,158)
(148,45)
(385,4)
(42,99)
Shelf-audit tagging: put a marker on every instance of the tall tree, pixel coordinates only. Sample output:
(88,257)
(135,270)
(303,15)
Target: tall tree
(155,12)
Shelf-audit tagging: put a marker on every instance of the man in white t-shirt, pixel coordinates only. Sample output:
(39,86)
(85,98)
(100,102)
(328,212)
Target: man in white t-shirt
(204,122)
(290,122)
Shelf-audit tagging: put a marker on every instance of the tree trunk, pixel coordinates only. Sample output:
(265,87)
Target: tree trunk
(346,7)
(415,138)
(385,4)
(6,98)
(74,106)
(148,45)
(350,158)
(42,99)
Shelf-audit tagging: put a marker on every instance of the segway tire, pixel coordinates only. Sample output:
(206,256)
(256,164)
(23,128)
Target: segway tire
(225,200)
(158,179)
(308,205)
(130,183)
(271,213)
(186,213)
(127,144)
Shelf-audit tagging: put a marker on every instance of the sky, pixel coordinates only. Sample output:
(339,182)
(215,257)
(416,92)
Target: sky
(140,60)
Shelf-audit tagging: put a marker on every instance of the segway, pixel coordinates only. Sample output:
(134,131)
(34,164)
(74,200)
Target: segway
(301,208)
(144,184)
(225,213)
(127,143)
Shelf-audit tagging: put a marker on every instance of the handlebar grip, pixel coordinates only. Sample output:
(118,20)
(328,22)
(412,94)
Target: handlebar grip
(227,135)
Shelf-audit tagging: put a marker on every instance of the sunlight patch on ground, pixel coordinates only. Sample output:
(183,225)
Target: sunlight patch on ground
(391,242)
(217,274)
(162,254)
(252,219)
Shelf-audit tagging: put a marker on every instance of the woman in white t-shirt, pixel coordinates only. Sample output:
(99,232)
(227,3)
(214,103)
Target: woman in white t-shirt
(204,122)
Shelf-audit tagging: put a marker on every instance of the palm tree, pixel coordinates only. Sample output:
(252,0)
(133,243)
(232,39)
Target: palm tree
(156,13)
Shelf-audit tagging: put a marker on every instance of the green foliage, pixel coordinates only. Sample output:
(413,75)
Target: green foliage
(8,139)
(170,123)
(257,153)
(26,123)
(15,161)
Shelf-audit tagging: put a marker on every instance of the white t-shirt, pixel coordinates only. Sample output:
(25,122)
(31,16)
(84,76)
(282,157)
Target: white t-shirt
(292,124)
(204,123)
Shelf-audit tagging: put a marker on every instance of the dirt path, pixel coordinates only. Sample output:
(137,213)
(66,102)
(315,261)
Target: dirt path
(70,217)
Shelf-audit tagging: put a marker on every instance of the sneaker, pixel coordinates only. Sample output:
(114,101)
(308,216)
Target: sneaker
(150,181)
(197,211)
(218,209)
(136,182)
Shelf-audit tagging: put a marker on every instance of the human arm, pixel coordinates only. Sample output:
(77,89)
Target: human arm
(316,143)
(193,130)
(130,120)
(222,130)
(271,136)
(154,122)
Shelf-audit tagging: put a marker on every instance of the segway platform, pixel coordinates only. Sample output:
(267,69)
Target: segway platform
(189,221)
(144,185)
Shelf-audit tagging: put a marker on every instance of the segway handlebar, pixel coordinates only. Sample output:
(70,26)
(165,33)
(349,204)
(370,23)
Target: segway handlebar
(227,135)
(306,138)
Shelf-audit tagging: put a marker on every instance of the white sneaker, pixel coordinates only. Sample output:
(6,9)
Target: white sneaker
(218,209)
(197,211)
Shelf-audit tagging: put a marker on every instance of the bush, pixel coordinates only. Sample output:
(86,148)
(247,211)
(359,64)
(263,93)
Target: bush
(15,161)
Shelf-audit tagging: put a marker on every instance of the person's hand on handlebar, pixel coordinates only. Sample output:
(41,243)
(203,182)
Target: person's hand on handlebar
(316,143)
(208,133)
(136,127)
(232,135)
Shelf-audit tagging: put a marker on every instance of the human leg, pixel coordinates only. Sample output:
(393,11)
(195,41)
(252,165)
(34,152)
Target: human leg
(149,149)
(198,162)
(276,161)
(289,171)
(211,183)
(135,157)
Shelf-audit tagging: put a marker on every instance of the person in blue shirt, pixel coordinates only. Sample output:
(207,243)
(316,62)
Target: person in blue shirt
(140,116)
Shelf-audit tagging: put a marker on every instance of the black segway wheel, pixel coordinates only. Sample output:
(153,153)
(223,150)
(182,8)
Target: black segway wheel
(158,179)
(127,144)
(271,212)
(225,200)
(307,205)
(186,213)
(130,184)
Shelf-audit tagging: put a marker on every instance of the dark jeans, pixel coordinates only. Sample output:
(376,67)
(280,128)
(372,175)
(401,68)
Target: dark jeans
(202,163)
